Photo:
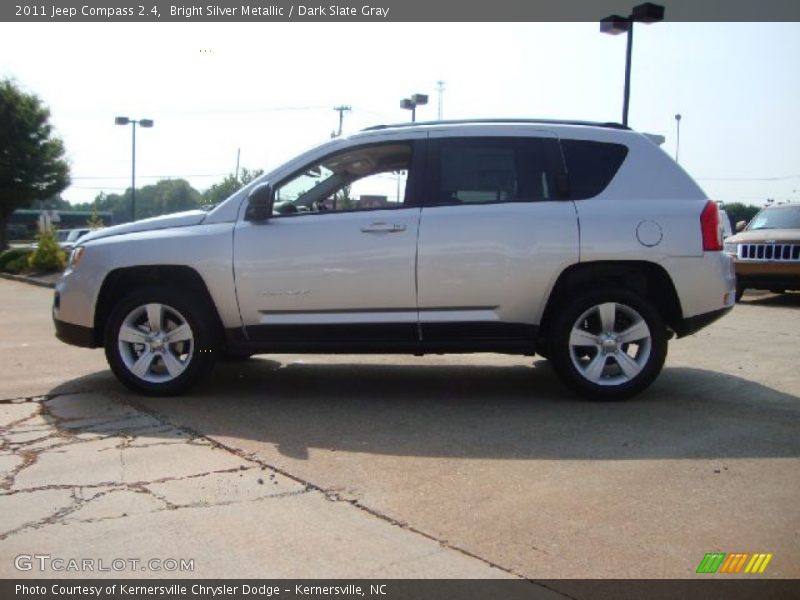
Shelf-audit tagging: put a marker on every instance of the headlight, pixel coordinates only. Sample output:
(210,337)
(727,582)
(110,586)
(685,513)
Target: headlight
(730,248)
(75,256)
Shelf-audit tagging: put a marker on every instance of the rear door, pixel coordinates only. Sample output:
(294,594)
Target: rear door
(495,232)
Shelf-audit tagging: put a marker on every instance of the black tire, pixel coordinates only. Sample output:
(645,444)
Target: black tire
(594,371)
(777,291)
(189,358)
(739,293)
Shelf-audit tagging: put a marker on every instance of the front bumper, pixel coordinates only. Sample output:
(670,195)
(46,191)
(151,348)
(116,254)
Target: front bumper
(76,335)
(768,275)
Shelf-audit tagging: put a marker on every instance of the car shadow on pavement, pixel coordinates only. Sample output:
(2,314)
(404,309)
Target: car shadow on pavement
(451,410)
(789,299)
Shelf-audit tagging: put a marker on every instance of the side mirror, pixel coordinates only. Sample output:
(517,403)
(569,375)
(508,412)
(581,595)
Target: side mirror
(740,226)
(259,203)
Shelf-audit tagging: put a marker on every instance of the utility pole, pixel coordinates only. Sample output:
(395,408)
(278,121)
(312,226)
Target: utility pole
(440,88)
(341,110)
(238,154)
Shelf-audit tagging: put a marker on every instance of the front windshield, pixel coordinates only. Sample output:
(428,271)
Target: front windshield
(776,218)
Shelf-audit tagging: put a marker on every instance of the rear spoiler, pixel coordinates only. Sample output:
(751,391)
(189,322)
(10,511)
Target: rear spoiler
(655,138)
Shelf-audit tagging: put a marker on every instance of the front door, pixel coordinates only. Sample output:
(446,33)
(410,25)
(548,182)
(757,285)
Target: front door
(335,262)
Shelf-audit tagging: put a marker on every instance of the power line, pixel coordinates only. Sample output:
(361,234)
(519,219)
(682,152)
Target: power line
(153,176)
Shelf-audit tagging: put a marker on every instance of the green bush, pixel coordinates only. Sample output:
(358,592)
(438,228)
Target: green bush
(18,265)
(48,256)
(16,256)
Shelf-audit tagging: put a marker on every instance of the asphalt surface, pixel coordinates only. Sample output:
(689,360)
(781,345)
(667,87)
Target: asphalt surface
(390,466)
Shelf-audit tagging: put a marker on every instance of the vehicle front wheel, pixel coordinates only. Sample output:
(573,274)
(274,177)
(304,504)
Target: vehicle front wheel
(608,344)
(158,341)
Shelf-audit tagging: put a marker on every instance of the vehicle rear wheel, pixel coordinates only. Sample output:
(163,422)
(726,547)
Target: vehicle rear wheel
(158,341)
(608,344)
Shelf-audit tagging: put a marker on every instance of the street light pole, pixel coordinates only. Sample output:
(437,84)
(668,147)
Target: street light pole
(412,103)
(615,24)
(133,123)
(678,143)
(626,101)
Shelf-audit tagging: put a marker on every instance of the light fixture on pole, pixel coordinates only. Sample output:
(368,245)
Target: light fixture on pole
(615,24)
(412,103)
(678,142)
(133,123)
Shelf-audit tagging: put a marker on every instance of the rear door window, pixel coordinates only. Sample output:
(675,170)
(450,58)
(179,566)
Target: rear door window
(493,170)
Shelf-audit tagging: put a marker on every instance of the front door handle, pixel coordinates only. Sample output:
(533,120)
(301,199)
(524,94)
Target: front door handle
(383,228)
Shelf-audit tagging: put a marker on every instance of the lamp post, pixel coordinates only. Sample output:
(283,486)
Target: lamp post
(615,24)
(678,142)
(133,123)
(412,103)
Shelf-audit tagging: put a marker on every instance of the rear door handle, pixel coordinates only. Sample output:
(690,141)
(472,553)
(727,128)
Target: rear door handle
(383,228)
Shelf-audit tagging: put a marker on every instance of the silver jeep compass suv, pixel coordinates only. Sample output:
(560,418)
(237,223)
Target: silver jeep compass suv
(583,242)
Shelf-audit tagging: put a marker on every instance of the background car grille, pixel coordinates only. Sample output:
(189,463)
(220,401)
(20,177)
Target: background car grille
(775,252)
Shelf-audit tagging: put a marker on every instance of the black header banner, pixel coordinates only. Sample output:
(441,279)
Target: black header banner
(337,11)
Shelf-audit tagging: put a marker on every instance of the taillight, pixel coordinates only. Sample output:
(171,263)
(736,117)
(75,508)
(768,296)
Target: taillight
(711,227)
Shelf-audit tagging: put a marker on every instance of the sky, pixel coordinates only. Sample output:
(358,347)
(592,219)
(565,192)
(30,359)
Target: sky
(267,90)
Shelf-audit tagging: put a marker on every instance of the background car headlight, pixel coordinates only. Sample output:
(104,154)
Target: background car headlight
(730,248)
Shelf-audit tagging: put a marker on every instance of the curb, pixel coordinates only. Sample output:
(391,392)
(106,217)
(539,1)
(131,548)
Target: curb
(30,280)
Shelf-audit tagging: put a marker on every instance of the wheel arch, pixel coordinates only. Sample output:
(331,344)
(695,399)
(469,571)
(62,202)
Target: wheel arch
(120,281)
(647,279)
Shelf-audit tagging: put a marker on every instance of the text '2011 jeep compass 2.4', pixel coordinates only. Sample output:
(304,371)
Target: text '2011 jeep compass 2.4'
(583,242)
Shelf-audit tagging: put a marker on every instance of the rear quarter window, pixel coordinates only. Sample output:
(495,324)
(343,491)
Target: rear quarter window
(591,166)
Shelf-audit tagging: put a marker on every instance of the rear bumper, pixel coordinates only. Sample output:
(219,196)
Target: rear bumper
(694,324)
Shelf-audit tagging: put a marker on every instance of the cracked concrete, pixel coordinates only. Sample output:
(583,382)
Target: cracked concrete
(89,476)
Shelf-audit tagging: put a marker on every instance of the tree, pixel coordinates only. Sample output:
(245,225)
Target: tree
(32,164)
(94,221)
(740,212)
(219,191)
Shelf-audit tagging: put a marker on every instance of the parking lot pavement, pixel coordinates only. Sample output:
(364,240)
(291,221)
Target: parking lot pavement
(86,475)
(478,460)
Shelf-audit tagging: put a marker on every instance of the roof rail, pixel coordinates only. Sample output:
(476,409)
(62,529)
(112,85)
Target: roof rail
(608,125)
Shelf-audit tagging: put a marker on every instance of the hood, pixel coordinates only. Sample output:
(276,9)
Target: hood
(757,236)
(181,219)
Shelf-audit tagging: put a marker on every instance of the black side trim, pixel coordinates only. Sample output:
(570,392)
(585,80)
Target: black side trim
(76,335)
(384,338)
(482,330)
(694,324)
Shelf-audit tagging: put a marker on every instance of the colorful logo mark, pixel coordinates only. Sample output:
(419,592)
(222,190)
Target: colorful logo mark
(719,562)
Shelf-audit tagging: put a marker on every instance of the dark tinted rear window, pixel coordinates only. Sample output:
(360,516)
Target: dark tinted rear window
(488,170)
(591,165)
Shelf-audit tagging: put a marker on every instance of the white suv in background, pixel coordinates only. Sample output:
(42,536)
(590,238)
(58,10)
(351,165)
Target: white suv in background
(583,242)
